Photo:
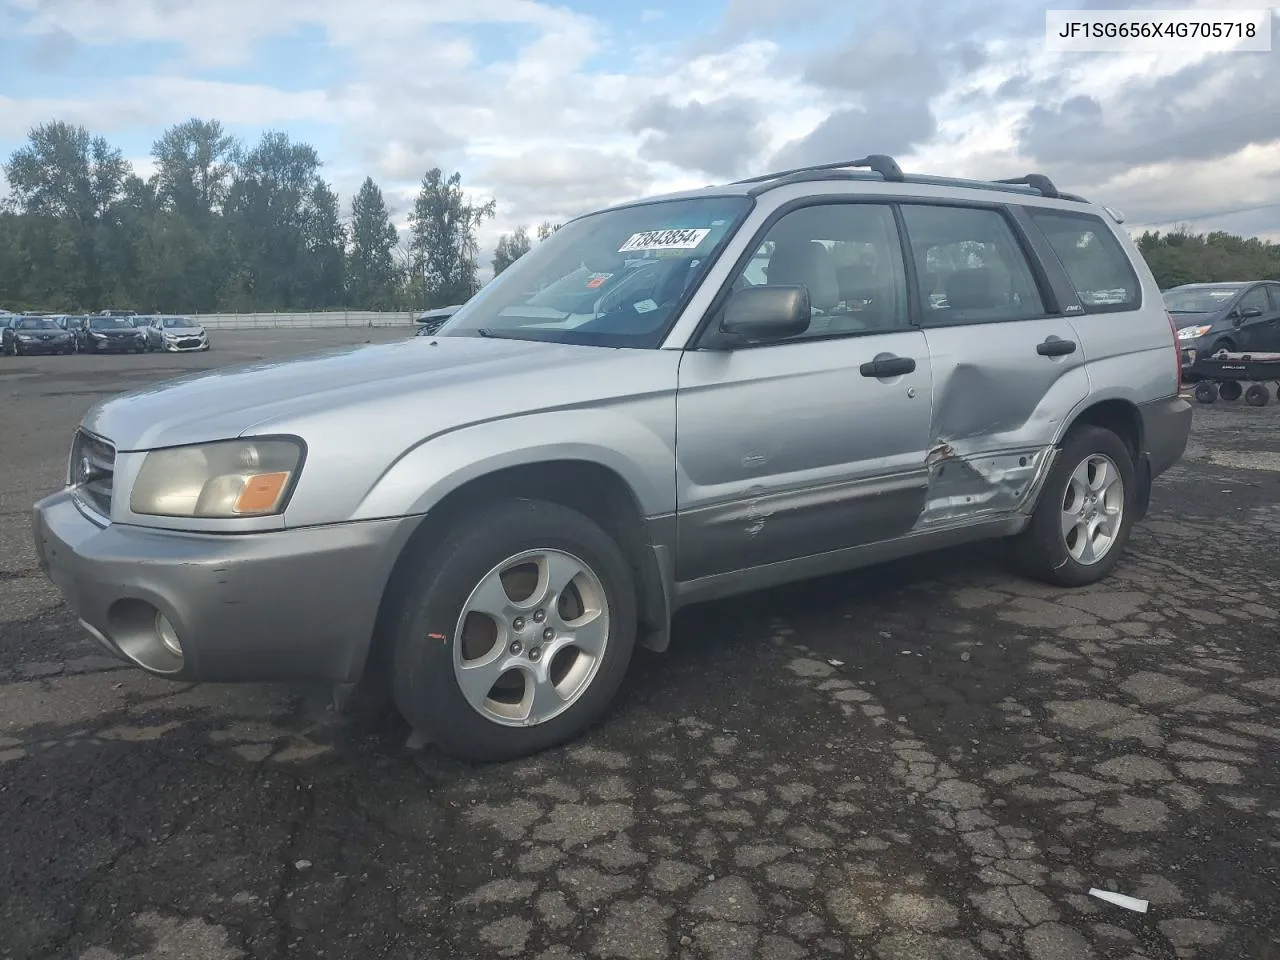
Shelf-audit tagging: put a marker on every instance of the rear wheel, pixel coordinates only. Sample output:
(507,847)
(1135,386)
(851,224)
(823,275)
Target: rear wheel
(1081,523)
(516,634)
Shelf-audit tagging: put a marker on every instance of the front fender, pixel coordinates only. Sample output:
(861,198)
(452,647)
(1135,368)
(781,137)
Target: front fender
(637,443)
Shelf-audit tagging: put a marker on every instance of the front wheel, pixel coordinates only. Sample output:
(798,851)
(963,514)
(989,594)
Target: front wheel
(1081,524)
(517,633)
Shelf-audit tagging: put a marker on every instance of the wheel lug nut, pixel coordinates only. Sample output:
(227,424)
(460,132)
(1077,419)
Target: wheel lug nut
(518,623)
(516,647)
(539,616)
(535,653)
(548,634)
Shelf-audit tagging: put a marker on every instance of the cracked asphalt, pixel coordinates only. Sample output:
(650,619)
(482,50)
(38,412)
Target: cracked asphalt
(927,760)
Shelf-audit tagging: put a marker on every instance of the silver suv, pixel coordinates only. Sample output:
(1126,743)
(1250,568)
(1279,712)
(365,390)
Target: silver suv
(668,401)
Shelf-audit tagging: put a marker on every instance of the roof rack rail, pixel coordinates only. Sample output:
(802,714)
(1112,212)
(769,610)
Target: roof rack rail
(1036,181)
(884,165)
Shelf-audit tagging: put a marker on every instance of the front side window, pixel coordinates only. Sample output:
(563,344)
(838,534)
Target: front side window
(849,258)
(1255,299)
(1093,259)
(610,279)
(970,266)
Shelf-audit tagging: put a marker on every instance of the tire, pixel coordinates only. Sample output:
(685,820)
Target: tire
(1223,344)
(433,623)
(1044,550)
(1230,390)
(1206,392)
(1257,395)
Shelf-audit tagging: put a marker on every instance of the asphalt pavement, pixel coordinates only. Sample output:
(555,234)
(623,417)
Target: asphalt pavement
(931,760)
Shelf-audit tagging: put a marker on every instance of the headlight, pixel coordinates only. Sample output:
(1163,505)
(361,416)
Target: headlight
(230,478)
(98,336)
(1190,333)
(25,336)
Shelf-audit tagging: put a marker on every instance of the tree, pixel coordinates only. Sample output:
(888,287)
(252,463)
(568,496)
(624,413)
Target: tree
(510,248)
(546,228)
(372,273)
(279,214)
(443,240)
(195,162)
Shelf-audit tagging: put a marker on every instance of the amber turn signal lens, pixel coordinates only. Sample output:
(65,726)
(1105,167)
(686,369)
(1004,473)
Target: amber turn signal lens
(261,493)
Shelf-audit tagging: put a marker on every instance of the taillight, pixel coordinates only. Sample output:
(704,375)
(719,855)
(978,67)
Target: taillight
(1177,350)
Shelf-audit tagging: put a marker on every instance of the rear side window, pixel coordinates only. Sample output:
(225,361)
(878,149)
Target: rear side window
(1093,259)
(970,266)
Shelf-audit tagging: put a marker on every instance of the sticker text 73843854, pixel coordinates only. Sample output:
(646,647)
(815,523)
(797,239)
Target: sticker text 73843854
(686,238)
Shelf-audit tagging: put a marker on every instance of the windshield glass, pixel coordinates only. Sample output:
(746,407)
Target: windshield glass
(36,323)
(609,279)
(111,323)
(1199,300)
(182,323)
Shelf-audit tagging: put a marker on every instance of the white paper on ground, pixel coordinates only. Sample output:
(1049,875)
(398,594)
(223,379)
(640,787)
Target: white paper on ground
(1120,900)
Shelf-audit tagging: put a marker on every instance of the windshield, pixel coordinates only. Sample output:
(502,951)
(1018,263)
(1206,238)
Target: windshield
(182,323)
(1199,300)
(111,323)
(35,323)
(609,279)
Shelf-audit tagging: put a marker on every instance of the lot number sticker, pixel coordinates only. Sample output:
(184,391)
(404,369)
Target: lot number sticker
(683,239)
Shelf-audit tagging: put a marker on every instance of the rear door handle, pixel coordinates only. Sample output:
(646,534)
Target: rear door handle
(887,367)
(1055,347)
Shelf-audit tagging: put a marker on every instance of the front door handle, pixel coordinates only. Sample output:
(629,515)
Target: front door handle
(1055,347)
(887,366)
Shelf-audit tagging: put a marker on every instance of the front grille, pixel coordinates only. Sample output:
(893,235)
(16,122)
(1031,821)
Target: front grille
(189,342)
(92,470)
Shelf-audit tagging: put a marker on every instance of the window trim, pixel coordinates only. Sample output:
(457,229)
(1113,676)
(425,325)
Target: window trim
(1100,229)
(1245,292)
(1273,294)
(706,335)
(1050,301)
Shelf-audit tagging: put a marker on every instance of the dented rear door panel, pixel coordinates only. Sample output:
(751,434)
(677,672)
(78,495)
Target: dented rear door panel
(997,407)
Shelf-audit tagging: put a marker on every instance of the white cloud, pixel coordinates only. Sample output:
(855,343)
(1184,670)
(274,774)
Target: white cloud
(552,130)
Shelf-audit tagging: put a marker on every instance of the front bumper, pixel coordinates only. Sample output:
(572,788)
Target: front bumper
(185,344)
(115,345)
(282,605)
(31,347)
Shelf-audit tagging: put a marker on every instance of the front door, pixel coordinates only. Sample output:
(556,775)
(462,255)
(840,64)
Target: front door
(798,447)
(1005,372)
(1260,333)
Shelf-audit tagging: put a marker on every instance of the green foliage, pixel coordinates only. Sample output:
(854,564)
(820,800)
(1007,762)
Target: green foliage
(219,227)
(373,276)
(510,248)
(1182,257)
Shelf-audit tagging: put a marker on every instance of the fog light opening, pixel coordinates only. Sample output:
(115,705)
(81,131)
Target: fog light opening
(168,635)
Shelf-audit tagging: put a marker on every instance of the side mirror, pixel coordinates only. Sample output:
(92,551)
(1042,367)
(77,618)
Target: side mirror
(767,312)
(1248,313)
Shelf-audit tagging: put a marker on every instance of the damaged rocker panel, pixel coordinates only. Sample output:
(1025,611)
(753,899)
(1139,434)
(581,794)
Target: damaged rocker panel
(963,485)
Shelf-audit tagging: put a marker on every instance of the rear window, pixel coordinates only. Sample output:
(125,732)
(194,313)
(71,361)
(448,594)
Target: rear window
(1093,259)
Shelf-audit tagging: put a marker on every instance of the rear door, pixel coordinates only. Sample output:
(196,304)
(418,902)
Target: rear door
(1120,319)
(1007,367)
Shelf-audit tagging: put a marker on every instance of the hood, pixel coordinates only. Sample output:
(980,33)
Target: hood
(121,332)
(407,387)
(57,332)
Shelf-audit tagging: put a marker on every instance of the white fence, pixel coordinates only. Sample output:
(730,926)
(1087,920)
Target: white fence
(320,318)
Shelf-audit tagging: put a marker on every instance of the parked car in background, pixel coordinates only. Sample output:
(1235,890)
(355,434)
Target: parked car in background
(103,334)
(30,335)
(1241,316)
(174,334)
(117,313)
(628,421)
(429,321)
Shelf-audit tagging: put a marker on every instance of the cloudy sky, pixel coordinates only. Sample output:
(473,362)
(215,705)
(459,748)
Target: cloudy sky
(556,108)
